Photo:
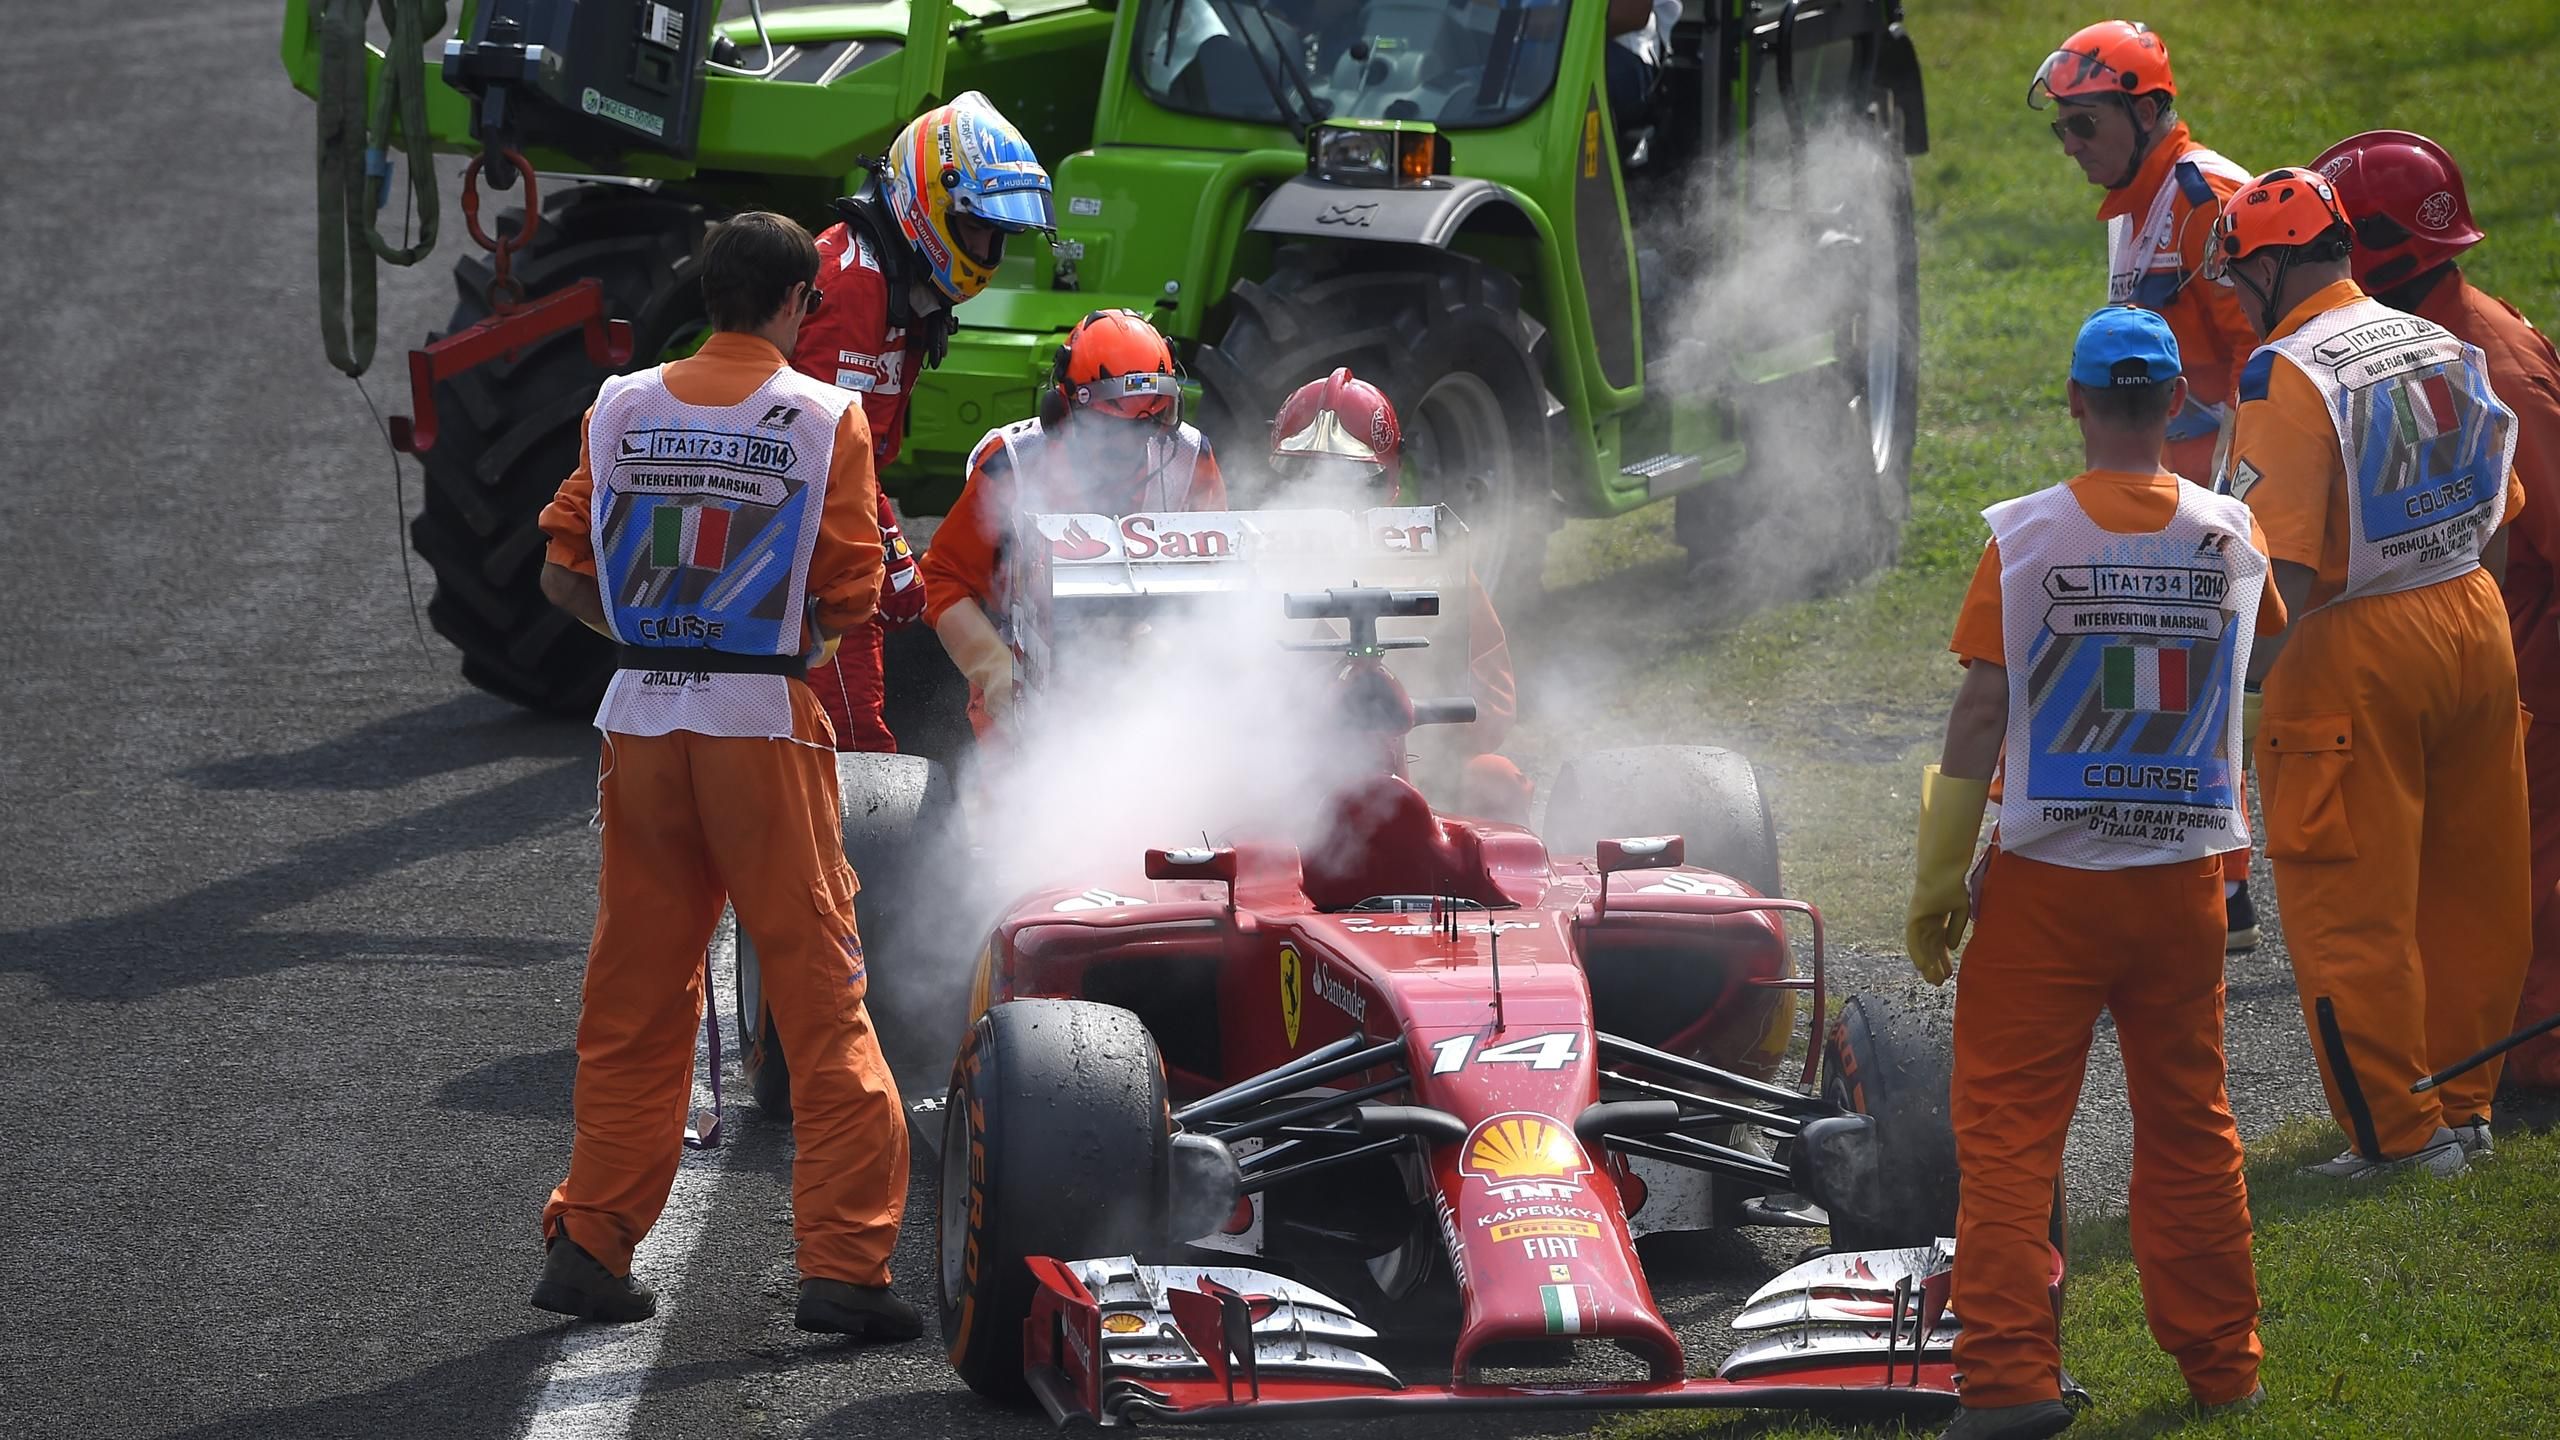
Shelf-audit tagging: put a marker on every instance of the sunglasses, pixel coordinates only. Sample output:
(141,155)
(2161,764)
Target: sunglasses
(2083,126)
(817,297)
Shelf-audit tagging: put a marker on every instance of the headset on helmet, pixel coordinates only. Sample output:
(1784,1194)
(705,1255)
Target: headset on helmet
(1113,363)
(964,158)
(2404,196)
(1340,417)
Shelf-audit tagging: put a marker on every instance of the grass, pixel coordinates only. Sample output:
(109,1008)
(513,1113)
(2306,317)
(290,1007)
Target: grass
(2411,1308)
(1841,701)
(2408,1309)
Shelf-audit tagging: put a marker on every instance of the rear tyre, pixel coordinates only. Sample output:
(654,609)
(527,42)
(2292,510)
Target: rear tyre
(1054,1144)
(1822,500)
(900,817)
(509,436)
(1709,796)
(1445,336)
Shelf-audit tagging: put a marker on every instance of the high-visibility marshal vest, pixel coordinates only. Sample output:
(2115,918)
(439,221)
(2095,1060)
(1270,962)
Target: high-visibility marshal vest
(2144,266)
(1172,468)
(705,517)
(2125,654)
(2426,444)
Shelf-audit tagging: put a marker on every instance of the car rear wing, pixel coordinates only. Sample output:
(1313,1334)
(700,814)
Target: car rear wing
(1070,571)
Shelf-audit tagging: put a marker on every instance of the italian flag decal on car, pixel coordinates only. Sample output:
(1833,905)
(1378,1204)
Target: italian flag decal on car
(1568,1309)
(2144,677)
(690,535)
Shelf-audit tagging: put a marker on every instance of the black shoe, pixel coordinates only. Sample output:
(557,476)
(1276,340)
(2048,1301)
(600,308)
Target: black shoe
(576,1283)
(2240,921)
(2031,1421)
(865,1312)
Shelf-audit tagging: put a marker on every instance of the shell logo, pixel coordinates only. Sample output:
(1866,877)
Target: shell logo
(1523,1153)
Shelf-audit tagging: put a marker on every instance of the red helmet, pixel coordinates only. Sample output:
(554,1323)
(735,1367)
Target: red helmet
(2405,197)
(1339,417)
(2124,58)
(1115,363)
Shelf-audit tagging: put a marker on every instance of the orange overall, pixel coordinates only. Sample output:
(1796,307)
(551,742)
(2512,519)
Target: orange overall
(2391,765)
(2213,336)
(2052,947)
(2526,375)
(691,820)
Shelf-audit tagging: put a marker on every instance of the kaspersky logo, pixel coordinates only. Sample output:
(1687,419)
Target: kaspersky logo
(1520,1156)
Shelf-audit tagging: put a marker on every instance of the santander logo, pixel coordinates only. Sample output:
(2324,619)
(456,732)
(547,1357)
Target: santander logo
(1078,543)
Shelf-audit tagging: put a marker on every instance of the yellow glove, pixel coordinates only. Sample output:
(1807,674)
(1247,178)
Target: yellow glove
(2251,702)
(1950,822)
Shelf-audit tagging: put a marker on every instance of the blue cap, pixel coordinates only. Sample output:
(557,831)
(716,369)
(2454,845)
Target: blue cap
(2124,345)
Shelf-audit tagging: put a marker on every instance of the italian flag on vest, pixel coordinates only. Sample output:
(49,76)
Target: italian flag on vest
(689,535)
(2426,407)
(2148,678)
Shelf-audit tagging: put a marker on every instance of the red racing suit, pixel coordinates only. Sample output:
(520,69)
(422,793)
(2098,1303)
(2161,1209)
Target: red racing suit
(851,343)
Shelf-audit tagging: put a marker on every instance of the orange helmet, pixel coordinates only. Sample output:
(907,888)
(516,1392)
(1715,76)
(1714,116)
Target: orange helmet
(2123,58)
(2287,207)
(1115,363)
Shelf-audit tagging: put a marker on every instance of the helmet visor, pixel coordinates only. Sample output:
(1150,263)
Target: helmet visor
(1143,396)
(2072,75)
(2217,256)
(1327,437)
(1023,207)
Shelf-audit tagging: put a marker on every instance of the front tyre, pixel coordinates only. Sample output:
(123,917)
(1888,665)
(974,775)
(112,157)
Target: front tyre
(1054,1143)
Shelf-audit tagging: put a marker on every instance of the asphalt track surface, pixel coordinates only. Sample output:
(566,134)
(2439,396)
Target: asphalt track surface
(294,921)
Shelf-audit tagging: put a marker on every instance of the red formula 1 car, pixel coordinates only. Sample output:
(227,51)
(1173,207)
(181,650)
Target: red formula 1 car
(1235,1121)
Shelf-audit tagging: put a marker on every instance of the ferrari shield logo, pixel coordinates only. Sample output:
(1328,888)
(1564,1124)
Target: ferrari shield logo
(1292,1003)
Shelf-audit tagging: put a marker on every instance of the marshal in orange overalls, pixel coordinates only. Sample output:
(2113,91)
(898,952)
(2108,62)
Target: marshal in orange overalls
(712,790)
(2056,944)
(2526,375)
(2391,755)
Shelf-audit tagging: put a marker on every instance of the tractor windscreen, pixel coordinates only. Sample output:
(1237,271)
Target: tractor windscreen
(1460,64)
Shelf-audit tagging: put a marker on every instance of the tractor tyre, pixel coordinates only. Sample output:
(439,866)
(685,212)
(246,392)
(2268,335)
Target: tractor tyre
(1711,797)
(1822,499)
(1054,1143)
(509,436)
(1465,366)
(900,827)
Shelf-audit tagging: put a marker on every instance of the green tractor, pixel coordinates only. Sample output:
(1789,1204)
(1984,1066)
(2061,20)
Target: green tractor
(1715,301)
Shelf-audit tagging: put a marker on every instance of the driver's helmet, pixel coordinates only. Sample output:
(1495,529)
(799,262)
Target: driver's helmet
(965,162)
(1339,422)
(2285,209)
(2122,58)
(2405,196)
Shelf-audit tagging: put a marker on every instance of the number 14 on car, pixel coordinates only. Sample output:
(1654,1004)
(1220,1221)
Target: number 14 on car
(1551,1051)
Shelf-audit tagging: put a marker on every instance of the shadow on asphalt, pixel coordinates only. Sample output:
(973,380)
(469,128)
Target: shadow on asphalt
(534,1086)
(433,740)
(214,933)
(462,1385)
